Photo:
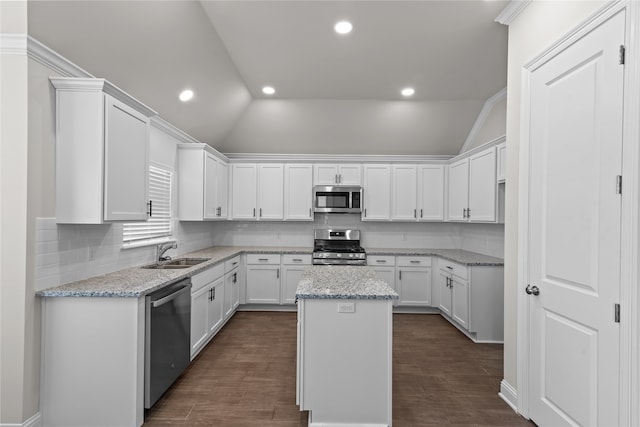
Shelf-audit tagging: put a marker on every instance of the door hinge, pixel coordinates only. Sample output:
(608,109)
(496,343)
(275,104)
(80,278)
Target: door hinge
(622,54)
(616,313)
(618,184)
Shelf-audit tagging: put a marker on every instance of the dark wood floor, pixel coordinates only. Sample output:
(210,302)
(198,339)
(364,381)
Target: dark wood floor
(246,377)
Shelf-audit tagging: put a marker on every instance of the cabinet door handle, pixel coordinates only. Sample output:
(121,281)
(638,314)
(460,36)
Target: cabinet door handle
(415,213)
(235,277)
(400,275)
(421,213)
(309,211)
(277,273)
(219,211)
(150,204)
(336,179)
(469,213)
(365,212)
(213,294)
(260,212)
(254,212)
(339,178)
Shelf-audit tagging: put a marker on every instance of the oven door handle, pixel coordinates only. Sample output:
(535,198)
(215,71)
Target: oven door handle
(169,297)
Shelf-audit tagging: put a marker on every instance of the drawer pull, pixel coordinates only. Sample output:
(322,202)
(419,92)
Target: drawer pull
(296,260)
(382,261)
(263,259)
(449,267)
(413,261)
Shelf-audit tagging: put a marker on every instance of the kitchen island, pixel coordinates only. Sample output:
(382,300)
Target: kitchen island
(345,335)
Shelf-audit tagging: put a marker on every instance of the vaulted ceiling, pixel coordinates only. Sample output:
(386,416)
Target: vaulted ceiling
(452,53)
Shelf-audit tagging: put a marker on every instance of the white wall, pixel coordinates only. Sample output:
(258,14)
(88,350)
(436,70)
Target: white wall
(533,31)
(494,126)
(17,323)
(351,127)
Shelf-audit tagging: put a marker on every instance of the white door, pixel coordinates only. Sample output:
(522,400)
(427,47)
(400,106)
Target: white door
(574,231)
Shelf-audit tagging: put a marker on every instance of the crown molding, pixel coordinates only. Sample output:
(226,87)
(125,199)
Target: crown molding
(53,60)
(13,44)
(492,143)
(511,11)
(333,158)
(83,84)
(482,118)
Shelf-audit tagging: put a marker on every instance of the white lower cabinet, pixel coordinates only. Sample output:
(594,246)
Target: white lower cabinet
(292,268)
(385,266)
(414,280)
(231,286)
(472,298)
(207,310)
(263,279)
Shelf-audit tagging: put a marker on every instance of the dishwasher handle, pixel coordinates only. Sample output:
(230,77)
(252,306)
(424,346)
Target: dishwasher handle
(171,296)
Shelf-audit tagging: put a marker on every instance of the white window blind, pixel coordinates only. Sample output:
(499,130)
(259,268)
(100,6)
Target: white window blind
(159,224)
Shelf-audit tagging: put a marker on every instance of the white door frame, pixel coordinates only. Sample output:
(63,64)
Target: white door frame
(630,221)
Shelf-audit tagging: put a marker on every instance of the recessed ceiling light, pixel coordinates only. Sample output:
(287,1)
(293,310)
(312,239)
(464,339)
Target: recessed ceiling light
(186,95)
(408,91)
(343,27)
(268,90)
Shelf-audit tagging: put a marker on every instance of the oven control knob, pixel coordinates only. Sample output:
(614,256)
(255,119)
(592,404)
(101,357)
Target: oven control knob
(350,255)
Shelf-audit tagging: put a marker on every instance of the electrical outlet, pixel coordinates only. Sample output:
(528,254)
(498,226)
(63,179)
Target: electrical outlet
(346,307)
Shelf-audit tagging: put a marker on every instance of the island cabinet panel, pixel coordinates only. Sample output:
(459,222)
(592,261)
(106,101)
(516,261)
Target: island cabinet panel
(344,377)
(92,361)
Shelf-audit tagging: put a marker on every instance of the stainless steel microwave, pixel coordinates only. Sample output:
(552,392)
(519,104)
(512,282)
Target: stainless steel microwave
(337,199)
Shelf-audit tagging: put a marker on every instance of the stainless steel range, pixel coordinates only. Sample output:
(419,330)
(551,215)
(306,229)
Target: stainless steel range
(338,247)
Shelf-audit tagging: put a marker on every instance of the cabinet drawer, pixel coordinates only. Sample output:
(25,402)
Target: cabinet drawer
(454,268)
(202,279)
(232,263)
(377,260)
(294,259)
(263,258)
(414,261)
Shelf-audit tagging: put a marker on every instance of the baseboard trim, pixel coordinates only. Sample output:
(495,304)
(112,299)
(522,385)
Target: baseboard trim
(34,421)
(509,394)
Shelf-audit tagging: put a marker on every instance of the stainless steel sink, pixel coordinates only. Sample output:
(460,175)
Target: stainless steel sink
(176,264)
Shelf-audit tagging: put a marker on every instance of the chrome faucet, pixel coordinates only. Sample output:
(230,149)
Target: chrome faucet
(164,247)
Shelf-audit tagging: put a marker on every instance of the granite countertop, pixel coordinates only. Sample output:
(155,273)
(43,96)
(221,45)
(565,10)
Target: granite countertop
(456,255)
(342,282)
(135,282)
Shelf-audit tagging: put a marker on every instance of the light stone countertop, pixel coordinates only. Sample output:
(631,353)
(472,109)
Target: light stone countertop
(342,282)
(135,282)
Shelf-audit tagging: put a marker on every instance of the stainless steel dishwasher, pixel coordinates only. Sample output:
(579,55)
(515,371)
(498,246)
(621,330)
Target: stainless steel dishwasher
(167,338)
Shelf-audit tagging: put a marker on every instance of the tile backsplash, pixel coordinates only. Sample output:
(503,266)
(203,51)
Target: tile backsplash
(66,253)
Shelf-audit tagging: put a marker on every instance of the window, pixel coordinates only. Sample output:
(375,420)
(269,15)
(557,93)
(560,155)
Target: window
(158,226)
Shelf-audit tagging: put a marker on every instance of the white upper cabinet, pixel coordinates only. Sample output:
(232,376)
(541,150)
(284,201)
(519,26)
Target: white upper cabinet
(270,191)
(502,162)
(257,191)
(202,184)
(298,183)
(337,174)
(404,202)
(102,153)
(430,203)
(244,190)
(377,192)
(472,188)
(482,186)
